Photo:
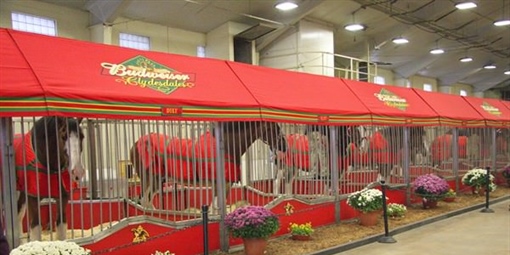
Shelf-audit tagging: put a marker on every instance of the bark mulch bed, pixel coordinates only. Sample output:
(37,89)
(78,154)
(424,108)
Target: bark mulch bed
(346,232)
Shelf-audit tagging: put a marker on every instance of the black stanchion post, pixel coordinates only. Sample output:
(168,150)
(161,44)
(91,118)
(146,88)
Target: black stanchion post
(205,221)
(386,238)
(487,191)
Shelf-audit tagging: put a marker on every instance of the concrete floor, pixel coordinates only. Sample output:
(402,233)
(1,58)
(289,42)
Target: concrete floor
(472,233)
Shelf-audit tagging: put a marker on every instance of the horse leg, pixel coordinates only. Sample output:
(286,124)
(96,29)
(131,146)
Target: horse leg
(215,204)
(147,191)
(278,182)
(22,209)
(61,216)
(289,179)
(33,217)
(385,171)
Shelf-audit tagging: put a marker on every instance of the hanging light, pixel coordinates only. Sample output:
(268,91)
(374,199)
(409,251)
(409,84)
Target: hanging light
(286,6)
(503,21)
(436,51)
(355,27)
(465,5)
(489,66)
(466,59)
(400,40)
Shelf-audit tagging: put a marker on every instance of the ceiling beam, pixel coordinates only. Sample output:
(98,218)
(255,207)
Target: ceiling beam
(458,75)
(412,67)
(304,9)
(106,12)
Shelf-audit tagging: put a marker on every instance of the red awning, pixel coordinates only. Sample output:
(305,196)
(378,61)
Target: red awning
(494,111)
(25,100)
(391,105)
(506,103)
(453,110)
(301,97)
(97,80)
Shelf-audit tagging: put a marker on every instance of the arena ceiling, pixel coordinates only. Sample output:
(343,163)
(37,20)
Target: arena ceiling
(425,23)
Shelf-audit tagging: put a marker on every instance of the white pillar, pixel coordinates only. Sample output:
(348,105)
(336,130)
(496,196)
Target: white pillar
(101,34)
(445,89)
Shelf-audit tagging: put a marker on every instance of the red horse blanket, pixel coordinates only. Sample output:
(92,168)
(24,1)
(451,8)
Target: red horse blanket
(32,176)
(441,147)
(379,151)
(184,159)
(298,154)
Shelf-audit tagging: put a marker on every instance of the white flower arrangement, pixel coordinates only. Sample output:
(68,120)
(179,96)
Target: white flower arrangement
(50,248)
(477,177)
(366,200)
(395,210)
(163,253)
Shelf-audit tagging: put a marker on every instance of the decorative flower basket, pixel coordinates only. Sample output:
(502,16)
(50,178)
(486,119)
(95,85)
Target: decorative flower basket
(450,196)
(396,211)
(254,224)
(476,178)
(431,188)
(369,202)
(49,247)
(301,232)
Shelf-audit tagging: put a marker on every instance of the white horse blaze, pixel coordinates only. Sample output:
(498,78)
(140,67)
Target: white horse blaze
(74,153)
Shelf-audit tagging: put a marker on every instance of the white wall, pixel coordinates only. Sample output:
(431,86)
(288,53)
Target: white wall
(306,48)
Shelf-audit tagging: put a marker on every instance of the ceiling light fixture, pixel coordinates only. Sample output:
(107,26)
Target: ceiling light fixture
(465,5)
(503,21)
(286,6)
(489,66)
(466,59)
(355,27)
(400,40)
(507,72)
(436,51)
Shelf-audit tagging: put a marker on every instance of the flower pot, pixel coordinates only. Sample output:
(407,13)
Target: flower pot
(478,190)
(429,203)
(449,199)
(254,246)
(301,237)
(369,218)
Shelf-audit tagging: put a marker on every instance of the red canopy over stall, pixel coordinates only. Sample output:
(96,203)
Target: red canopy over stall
(494,111)
(507,104)
(391,105)
(25,100)
(453,110)
(80,78)
(300,96)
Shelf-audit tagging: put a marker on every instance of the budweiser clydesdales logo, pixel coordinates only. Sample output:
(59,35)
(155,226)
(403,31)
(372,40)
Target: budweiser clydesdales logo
(145,73)
(392,100)
(490,109)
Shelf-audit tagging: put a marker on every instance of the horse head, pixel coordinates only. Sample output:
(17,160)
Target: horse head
(57,144)
(73,138)
(272,135)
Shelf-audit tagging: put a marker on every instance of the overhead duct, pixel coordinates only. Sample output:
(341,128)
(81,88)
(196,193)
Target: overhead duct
(255,32)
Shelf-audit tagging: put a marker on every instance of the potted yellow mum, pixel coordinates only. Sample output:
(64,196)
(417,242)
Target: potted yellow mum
(301,232)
